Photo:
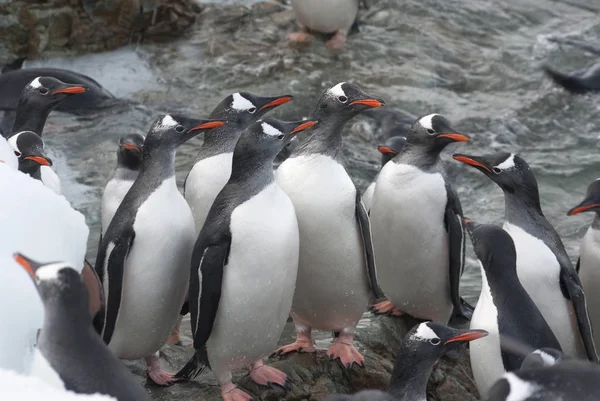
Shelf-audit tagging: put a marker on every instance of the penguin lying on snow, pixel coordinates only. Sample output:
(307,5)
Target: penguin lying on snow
(418,235)
(68,340)
(588,264)
(504,308)
(336,271)
(543,266)
(29,147)
(143,260)
(246,256)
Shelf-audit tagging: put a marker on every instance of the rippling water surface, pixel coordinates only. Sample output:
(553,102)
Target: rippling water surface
(476,62)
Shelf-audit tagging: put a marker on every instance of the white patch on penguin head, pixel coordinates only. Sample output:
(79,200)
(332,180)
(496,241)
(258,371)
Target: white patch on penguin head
(508,163)
(520,390)
(270,130)
(240,103)
(427,121)
(548,359)
(337,90)
(12,142)
(50,271)
(167,122)
(424,333)
(36,84)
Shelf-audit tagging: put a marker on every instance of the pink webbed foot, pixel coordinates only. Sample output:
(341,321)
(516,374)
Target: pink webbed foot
(303,343)
(300,38)
(338,42)
(230,392)
(157,375)
(267,376)
(343,349)
(386,308)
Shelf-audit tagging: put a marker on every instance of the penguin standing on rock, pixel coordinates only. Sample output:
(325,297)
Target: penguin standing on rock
(588,264)
(246,255)
(543,266)
(336,271)
(416,221)
(504,308)
(29,147)
(143,260)
(68,340)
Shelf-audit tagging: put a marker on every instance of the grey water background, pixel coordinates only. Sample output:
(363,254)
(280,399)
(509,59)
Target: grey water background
(476,62)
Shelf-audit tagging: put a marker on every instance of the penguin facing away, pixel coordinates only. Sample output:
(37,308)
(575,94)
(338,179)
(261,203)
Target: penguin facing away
(144,271)
(428,241)
(336,270)
(588,264)
(388,150)
(504,308)
(543,357)
(246,253)
(29,148)
(543,266)
(68,340)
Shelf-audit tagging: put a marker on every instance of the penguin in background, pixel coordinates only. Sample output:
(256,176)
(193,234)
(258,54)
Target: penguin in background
(588,264)
(388,151)
(246,254)
(68,340)
(144,270)
(416,223)
(504,308)
(543,266)
(29,148)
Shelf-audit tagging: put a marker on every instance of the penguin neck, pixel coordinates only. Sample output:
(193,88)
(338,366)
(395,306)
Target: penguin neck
(66,310)
(248,167)
(419,156)
(218,141)
(33,171)
(410,375)
(29,118)
(326,139)
(158,163)
(596,222)
(127,161)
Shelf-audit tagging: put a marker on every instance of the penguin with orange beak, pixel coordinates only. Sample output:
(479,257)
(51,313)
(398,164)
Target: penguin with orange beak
(29,148)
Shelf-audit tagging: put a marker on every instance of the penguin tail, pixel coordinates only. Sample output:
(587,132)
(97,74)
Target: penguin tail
(193,368)
(568,82)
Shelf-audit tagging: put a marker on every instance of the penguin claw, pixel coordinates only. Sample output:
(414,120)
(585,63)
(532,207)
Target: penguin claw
(386,308)
(348,355)
(162,378)
(267,375)
(299,345)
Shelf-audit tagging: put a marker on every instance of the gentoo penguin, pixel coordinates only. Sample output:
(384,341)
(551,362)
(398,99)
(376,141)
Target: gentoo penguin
(578,82)
(29,148)
(504,308)
(574,380)
(246,254)
(588,264)
(329,17)
(7,154)
(68,340)
(543,266)
(388,151)
(129,160)
(543,357)
(417,228)
(144,271)
(213,163)
(336,271)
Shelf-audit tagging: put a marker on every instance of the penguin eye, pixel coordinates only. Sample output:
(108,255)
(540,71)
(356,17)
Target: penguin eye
(43,91)
(280,137)
(252,110)
(18,154)
(496,170)
(434,341)
(430,131)
(179,129)
(342,99)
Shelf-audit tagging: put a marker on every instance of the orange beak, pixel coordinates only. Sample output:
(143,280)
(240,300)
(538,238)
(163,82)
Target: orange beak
(386,150)
(24,264)
(208,125)
(305,125)
(368,102)
(131,146)
(581,209)
(471,162)
(468,336)
(39,160)
(71,90)
(455,137)
(277,102)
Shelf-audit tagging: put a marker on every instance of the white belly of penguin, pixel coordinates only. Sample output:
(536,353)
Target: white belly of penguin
(486,358)
(332,288)
(113,195)
(325,16)
(539,273)
(411,242)
(156,273)
(50,179)
(206,179)
(367,196)
(590,277)
(258,281)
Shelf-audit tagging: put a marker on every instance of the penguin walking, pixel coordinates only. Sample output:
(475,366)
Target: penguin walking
(336,271)
(504,308)
(129,160)
(418,235)
(29,148)
(143,260)
(246,255)
(68,340)
(388,151)
(543,266)
(588,264)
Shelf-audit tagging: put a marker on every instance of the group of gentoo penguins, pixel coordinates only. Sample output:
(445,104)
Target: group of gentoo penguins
(247,245)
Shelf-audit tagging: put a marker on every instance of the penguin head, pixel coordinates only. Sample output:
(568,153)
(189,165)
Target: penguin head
(490,243)
(47,92)
(429,341)
(241,109)
(129,154)
(269,136)
(29,148)
(434,132)
(541,358)
(344,101)
(390,148)
(591,202)
(508,170)
(171,130)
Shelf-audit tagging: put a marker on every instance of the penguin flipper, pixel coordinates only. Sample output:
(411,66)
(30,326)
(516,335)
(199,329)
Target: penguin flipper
(578,265)
(569,281)
(364,226)
(456,246)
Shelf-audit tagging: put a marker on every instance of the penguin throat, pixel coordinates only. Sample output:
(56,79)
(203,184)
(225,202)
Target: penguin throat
(326,139)
(218,141)
(410,375)
(420,156)
(522,204)
(158,162)
(28,118)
